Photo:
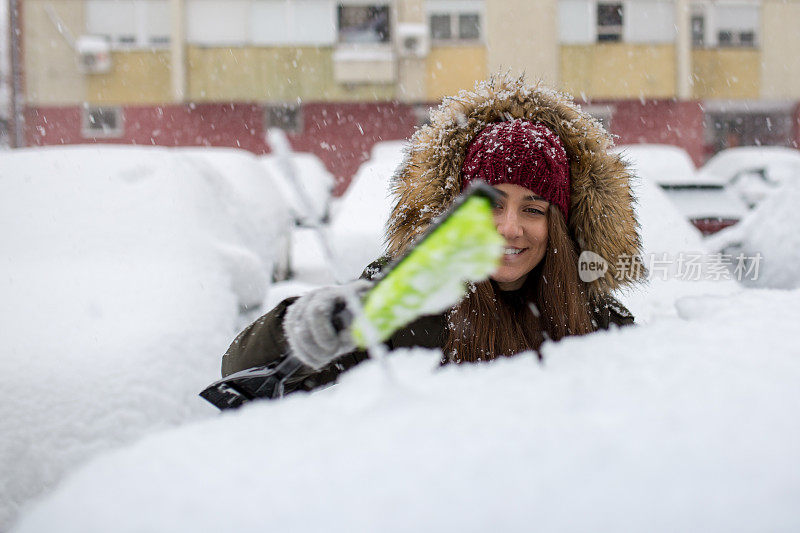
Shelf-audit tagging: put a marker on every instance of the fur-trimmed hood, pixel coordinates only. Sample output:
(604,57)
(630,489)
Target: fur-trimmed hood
(602,218)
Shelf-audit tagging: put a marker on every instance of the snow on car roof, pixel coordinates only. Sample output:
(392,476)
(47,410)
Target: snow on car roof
(725,165)
(660,163)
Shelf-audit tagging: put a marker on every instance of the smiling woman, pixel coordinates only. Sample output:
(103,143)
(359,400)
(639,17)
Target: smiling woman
(561,192)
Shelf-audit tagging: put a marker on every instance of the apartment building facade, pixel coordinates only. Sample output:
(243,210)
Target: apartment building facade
(341,75)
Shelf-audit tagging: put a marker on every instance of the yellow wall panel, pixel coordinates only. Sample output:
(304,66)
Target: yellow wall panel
(51,65)
(272,74)
(619,70)
(452,68)
(726,73)
(780,49)
(136,77)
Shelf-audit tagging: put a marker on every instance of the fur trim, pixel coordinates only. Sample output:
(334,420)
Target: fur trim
(602,218)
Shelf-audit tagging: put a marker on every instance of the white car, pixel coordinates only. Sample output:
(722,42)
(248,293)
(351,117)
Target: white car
(707,203)
(753,172)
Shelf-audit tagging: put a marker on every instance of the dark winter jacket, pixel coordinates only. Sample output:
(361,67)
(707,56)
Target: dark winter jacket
(602,218)
(264,342)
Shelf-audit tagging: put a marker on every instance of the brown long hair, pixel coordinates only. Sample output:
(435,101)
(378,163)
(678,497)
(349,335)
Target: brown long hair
(552,303)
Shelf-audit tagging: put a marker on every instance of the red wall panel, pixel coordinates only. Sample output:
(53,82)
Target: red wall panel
(341,135)
(660,122)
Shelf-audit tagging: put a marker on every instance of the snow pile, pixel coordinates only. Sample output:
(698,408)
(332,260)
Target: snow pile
(357,230)
(122,272)
(301,178)
(753,172)
(669,242)
(660,163)
(771,231)
(689,424)
(259,212)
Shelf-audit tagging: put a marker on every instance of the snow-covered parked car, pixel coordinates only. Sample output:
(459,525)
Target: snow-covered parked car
(708,204)
(753,172)
(302,179)
(359,216)
(307,186)
(253,183)
(767,243)
(123,271)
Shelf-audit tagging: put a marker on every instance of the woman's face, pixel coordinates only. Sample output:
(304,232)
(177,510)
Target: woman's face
(521,218)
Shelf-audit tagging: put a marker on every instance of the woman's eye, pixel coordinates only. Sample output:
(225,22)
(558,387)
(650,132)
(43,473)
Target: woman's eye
(534,210)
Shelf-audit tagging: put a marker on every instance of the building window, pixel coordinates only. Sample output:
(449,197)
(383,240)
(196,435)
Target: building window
(364,24)
(469,26)
(609,22)
(736,38)
(441,28)
(286,117)
(129,23)
(102,122)
(725,25)
(455,26)
(698,30)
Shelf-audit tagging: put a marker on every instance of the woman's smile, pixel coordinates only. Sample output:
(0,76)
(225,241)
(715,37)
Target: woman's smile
(520,217)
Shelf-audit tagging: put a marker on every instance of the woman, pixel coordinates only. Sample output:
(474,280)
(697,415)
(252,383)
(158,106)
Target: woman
(562,192)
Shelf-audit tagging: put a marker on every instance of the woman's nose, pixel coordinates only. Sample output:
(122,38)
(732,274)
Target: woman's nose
(508,225)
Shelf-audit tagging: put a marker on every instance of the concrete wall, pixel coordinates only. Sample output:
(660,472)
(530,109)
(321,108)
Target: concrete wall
(452,68)
(722,73)
(619,70)
(780,45)
(522,36)
(50,64)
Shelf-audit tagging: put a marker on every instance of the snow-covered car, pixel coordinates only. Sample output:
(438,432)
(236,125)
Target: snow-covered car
(123,272)
(244,171)
(753,172)
(708,204)
(359,216)
(767,243)
(302,178)
(307,186)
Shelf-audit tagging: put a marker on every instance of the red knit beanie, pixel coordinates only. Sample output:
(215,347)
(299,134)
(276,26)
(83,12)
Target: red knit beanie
(523,153)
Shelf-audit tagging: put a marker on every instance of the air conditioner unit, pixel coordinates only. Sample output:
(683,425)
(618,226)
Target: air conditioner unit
(94,54)
(412,40)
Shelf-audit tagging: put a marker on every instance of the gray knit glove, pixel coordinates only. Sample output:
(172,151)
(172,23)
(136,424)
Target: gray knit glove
(317,325)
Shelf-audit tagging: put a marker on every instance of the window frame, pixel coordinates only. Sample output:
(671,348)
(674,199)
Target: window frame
(141,37)
(295,109)
(455,27)
(88,132)
(617,31)
(712,29)
(390,29)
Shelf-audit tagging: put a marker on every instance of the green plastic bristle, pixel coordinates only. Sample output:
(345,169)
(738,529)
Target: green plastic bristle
(465,247)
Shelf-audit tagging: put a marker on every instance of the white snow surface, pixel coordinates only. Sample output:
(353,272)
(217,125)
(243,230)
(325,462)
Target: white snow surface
(359,221)
(686,425)
(753,172)
(663,164)
(307,189)
(122,271)
(773,231)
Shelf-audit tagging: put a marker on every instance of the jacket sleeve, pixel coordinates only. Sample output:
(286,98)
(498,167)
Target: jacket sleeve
(608,310)
(263,343)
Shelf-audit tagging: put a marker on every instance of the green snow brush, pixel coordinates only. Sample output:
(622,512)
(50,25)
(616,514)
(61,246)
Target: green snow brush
(462,246)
